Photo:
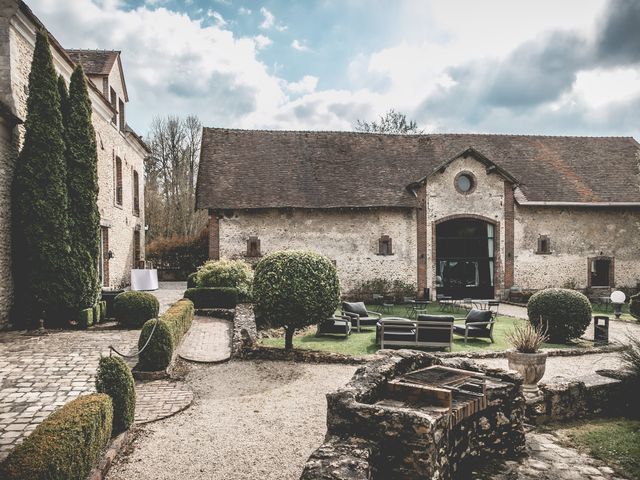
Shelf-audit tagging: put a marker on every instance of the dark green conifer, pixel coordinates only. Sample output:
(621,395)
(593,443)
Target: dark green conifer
(41,235)
(82,187)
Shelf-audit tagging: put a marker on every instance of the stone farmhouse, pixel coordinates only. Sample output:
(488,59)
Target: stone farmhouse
(462,215)
(121,152)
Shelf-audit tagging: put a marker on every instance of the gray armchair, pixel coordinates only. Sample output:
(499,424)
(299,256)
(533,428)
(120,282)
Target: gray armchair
(477,324)
(358,313)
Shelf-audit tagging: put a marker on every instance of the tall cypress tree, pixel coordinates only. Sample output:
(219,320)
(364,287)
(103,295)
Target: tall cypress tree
(82,186)
(41,235)
(64,100)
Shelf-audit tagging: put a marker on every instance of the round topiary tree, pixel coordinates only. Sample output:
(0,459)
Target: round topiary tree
(115,379)
(294,289)
(565,314)
(634,306)
(132,309)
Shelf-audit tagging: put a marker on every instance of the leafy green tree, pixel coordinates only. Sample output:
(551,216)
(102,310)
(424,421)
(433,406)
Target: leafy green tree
(40,223)
(82,187)
(390,122)
(293,289)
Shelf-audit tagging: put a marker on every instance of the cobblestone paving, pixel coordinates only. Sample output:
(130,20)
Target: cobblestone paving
(39,374)
(160,399)
(208,340)
(545,459)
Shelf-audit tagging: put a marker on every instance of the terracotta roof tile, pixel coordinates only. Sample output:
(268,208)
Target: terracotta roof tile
(258,169)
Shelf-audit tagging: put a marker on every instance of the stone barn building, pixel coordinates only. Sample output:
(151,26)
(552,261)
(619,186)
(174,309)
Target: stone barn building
(461,215)
(121,152)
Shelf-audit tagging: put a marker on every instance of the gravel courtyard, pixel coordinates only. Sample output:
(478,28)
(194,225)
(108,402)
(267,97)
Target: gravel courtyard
(249,420)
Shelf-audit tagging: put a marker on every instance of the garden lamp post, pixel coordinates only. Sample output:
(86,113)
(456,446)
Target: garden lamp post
(618,298)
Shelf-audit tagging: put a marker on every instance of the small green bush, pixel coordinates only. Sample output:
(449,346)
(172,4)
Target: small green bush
(293,289)
(85,318)
(103,311)
(226,273)
(115,379)
(634,306)
(96,313)
(565,313)
(132,309)
(211,297)
(170,329)
(66,445)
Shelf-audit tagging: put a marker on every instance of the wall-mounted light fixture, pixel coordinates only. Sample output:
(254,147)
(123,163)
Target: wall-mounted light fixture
(110,254)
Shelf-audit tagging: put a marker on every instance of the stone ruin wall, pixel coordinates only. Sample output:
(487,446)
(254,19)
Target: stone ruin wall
(369,441)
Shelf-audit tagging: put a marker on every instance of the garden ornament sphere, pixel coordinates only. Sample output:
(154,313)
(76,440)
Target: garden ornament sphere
(618,298)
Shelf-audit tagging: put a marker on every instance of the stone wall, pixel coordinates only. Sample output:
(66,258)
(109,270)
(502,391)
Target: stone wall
(368,439)
(120,220)
(348,237)
(575,234)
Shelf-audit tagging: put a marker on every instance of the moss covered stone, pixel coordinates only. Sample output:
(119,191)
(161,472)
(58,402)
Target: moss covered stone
(115,379)
(132,309)
(66,445)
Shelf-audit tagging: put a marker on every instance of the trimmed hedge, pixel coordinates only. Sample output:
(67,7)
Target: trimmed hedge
(66,445)
(132,309)
(634,306)
(85,318)
(96,313)
(103,310)
(115,379)
(170,329)
(212,297)
(565,313)
(226,273)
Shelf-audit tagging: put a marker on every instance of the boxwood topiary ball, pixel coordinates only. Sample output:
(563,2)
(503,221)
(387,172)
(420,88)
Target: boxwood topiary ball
(565,313)
(132,309)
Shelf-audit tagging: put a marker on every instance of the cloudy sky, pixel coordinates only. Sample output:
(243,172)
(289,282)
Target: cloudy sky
(499,66)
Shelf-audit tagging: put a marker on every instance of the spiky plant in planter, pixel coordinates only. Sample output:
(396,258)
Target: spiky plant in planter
(526,358)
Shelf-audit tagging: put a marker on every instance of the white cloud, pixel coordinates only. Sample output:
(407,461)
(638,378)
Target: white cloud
(269,21)
(297,45)
(217,17)
(262,41)
(244,11)
(307,84)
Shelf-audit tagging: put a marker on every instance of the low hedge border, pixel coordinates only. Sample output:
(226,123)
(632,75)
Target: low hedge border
(115,379)
(212,297)
(66,445)
(170,329)
(133,308)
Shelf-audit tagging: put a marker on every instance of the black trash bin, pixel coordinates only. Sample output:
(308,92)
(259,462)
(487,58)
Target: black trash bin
(109,296)
(600,330)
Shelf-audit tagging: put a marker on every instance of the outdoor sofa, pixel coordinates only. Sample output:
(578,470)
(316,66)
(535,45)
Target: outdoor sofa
(426,331)
(334,326)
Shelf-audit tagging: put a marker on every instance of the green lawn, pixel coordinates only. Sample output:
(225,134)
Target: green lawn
(599,309)
(615,441)
(364,342)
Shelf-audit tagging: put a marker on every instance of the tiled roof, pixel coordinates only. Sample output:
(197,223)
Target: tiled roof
(94,62)
(259,169)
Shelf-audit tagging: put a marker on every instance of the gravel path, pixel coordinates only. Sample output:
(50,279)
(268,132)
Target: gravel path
(563,369)
(249,420)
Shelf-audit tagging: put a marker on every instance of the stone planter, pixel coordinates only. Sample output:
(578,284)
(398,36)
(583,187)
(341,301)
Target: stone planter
(530,365)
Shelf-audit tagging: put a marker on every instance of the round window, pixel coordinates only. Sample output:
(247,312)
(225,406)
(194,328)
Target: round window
(465,182)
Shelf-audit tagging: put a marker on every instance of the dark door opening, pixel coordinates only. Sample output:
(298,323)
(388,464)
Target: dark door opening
(465,258)
(600,272)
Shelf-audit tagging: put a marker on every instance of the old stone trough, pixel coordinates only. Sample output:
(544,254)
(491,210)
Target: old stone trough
(413,415)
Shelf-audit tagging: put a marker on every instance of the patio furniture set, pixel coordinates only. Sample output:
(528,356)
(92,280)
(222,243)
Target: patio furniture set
(421,329)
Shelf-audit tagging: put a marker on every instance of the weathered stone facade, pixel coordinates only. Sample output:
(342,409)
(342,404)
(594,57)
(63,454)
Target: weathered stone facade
(18,26)
(348,237)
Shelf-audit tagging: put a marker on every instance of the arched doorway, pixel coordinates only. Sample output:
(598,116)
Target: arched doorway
(465,258)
